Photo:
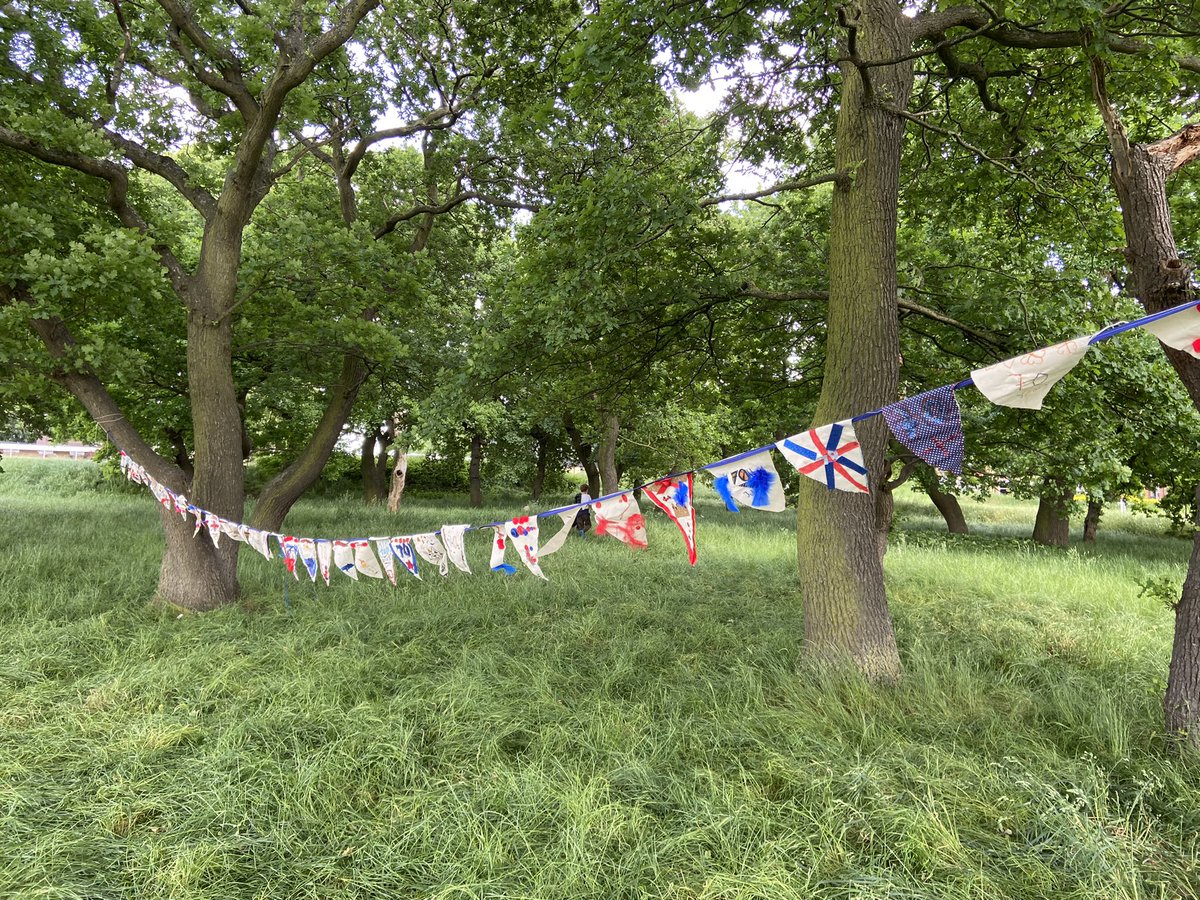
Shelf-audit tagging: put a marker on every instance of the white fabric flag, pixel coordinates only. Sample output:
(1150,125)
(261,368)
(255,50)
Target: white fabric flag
(343,558)
(325,558)
(456,548)
(622,518)
(830,454)
(556,543)
(308,556)
(1024,381)
(291,554)
(499,545)
(523,532)
(402,549)
(384,548)
(232,530)
(213,523)
(430,549)
(258,540)
(365,561)
(749,481)
(1180,330)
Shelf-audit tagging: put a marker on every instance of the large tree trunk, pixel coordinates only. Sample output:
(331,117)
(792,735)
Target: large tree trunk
(840,536)
(1091,520)
(399,478)
(584,453)
(372,482)
(1052,526)
(1160,280)
(473,471)
(606,455)
(949,507)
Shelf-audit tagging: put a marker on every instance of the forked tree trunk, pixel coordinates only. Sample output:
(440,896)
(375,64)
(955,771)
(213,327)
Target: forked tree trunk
(1160,280)
(949,507)
(1052,526)
(475,481)
(606,455)
(584,453)
(195,574)
(840,536)
(372,482)
(1091,520)
(399,478)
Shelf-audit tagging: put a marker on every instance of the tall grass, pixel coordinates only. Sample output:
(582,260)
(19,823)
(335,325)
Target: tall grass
(633,728)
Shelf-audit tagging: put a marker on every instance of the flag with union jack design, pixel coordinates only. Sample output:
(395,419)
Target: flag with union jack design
(830,454)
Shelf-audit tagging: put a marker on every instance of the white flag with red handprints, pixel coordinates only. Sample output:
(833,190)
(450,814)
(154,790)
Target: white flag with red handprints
(620,517)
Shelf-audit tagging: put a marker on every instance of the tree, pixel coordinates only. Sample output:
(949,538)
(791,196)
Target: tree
(108,93)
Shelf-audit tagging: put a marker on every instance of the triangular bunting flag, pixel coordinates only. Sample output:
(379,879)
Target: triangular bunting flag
(258,540)
(830,454)
(232,530)
(674,497)
(523,532)
(930,425)
(1180,330)
(499,545)
(402,549)
(343,558)
(384,547)
(291,554)
(1023,381)
(325,558)
(556,543)
(365,561)
(749,481)
(213,523)
(308,556)
(620,517)
(456,548)
(430,549)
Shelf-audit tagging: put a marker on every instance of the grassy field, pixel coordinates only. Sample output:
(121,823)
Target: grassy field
(631,729)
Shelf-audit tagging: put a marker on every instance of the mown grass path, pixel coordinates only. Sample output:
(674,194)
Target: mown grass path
(631,729)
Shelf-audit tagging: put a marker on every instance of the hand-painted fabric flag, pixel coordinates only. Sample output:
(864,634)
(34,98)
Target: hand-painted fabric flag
(291,554)
(308,556)
(181,505)
(556,543)
(523,532)
(674,497)
(402,549)
(620,517)
(749,481)
(499,545)
(430,549)
(384,547)
(232,530)
(124,463)
(343,558)
(213,523)
(365,561)
(198,514)
(930,425)
(456,547)
(830,454)
(258,540)
(1180,330)
(324,558)
(1023,381)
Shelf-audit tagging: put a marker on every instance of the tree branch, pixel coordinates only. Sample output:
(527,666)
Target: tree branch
(775,189)
(457,200)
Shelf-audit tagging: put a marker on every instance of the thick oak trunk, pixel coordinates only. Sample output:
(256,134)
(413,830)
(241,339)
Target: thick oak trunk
(840,536)
(1160,280)
(399,478)
(542,454)
(1052,526)
(372,484)
(606,454)
(1091,520)
(584,453)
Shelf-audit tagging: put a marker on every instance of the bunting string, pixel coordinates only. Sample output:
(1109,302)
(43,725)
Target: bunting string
(929,424)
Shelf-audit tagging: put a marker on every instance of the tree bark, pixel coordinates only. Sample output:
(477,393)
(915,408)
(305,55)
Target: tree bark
(1091,520)
(372,479)
(1160,280)
(1052,526)
(606,455)
(841,536)
(949,507)
(584,453)
(473,472)
(399,477)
